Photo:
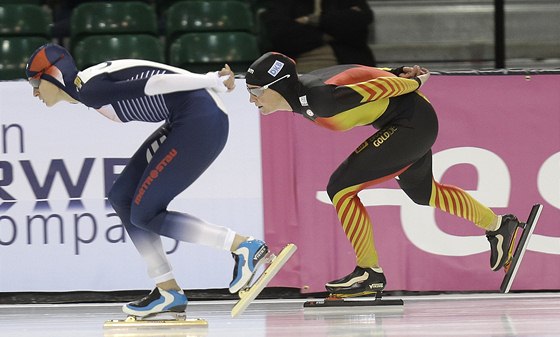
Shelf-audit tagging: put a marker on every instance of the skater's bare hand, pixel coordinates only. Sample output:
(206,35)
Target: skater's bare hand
(414,71)
(230,80)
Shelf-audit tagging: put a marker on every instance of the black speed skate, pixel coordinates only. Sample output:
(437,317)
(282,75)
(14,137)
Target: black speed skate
(501,241)
(526,229)
(361,282)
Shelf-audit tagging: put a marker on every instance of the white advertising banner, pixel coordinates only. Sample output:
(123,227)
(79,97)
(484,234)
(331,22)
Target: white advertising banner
(58,233)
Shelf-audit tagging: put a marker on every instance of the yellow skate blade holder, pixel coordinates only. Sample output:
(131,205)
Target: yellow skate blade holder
(363,299)
(248,294)
(133,322)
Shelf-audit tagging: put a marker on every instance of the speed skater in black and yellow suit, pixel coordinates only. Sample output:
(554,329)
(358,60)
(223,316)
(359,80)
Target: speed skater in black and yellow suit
(346,96)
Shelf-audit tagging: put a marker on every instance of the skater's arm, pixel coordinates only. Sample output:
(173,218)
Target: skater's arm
(407,80)
(221,81)
(103,89)
(378,88)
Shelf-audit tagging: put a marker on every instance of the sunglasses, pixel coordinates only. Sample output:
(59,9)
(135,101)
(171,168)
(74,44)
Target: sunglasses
(258,91)
(36,79)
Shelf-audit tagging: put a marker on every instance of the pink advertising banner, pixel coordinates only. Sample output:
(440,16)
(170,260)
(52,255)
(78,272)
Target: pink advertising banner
(499,139)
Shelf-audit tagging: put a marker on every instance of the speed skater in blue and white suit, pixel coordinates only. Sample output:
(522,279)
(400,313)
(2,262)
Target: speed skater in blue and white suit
(193,133)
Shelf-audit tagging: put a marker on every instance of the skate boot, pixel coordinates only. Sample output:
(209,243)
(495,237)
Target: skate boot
(249,256)
(361,282)
(158,301)
(501,241)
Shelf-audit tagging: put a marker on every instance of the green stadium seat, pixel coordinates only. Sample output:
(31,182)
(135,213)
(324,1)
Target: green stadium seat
(203,52)
(207,16)
(14,54)
(95,18)
(95,49)
(163,5)
(25,20)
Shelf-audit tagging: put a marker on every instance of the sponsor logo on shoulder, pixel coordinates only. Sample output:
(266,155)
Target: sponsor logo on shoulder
(78,82)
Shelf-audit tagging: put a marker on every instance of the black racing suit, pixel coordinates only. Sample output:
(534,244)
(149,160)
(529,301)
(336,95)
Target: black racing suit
(345,96)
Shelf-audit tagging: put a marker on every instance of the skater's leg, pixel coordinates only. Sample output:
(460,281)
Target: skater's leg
(367,277)
(418,183)
(168,296)
(383,156)
(186,153)
(148,244)
(354,217)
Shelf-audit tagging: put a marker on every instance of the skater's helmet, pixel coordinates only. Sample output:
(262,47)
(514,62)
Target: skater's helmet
(52,63)
(272,67)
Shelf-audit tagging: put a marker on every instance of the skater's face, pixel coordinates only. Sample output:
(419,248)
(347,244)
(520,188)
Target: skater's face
(47,92)
(269,100)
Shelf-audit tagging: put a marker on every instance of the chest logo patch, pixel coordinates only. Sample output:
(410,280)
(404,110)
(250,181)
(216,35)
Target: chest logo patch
(303,100)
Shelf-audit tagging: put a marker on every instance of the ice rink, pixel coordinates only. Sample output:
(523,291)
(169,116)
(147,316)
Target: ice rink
(519,314)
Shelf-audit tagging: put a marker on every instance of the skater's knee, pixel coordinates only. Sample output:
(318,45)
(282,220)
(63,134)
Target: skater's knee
(338,180)
(143,217)
(419,192)
(331,191)
(139,218)
(118,200)
(422,201)
(418,196)
(333,187)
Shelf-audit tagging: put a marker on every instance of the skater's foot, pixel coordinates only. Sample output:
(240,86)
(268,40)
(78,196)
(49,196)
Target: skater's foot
(361,282)
(248,257)
(158,301)
(501,241)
